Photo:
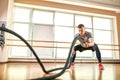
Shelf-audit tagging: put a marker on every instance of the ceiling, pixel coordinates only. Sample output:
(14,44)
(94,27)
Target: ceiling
(113,5)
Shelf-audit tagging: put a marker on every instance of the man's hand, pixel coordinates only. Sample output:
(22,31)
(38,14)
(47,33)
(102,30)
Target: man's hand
(85,44)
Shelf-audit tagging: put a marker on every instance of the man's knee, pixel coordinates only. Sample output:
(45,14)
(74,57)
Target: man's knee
(95,47)
(75,48)
(78,48)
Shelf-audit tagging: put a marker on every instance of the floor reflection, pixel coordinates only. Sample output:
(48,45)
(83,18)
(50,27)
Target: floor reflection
(25,71)
(73,74)
(3,69)
(100,74)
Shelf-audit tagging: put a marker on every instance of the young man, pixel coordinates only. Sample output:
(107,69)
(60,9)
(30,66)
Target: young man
(87,43)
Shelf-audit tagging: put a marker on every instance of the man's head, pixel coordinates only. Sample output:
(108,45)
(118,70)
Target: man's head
(81,29)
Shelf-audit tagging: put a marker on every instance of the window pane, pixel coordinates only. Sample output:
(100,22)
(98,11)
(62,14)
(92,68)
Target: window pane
(106,54)
(101,23)
(43,33)
(20,29)
(22,14)
(43,17)
(83,20)
(100,37)
(64,19)
(106,47)
(64,34)
(62,53)
(19,52)
(44,52)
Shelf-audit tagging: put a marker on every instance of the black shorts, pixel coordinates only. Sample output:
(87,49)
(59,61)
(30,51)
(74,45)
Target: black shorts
(81,48)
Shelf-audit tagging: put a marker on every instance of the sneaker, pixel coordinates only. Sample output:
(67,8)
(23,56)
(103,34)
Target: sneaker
(101,66)
(72,65)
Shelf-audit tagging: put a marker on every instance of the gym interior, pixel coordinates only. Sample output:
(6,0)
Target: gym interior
(37,38)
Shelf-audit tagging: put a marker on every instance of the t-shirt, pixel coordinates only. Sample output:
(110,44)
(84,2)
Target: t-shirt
(85,38)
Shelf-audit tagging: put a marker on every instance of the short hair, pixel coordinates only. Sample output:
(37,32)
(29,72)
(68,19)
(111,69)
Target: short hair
(80,25)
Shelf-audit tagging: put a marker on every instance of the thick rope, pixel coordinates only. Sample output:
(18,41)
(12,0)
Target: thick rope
(66,66)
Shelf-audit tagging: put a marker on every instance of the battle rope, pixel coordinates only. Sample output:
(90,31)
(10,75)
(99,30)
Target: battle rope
(2,37)
(66,66)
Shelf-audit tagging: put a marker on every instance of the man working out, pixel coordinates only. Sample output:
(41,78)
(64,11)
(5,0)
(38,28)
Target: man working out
(87,43)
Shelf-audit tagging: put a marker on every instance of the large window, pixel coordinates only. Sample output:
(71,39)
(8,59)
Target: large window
(52,33)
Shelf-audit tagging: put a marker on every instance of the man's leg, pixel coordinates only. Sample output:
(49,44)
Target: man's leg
(98,55)
(76,48)
(72,59)
(73,56)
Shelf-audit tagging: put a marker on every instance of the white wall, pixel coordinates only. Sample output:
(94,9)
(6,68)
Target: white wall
(5,11)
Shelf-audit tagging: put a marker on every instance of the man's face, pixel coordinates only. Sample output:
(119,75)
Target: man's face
(81,31)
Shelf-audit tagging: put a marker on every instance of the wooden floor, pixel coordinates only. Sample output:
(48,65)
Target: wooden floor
(82,71)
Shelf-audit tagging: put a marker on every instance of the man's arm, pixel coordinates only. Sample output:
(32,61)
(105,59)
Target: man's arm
(91,42)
